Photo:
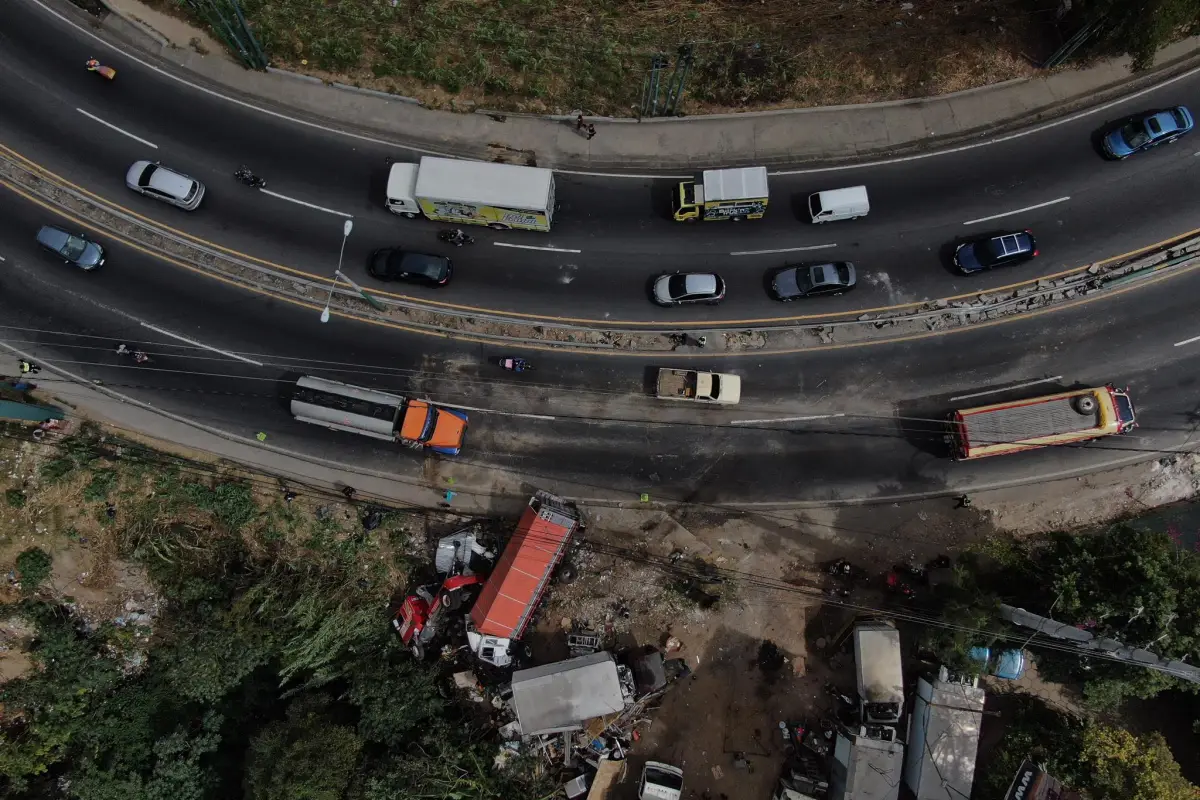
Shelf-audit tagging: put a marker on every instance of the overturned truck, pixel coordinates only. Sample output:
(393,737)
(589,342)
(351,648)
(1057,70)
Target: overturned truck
(508,595)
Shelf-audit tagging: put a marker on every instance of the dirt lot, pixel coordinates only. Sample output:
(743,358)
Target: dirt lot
(563,55)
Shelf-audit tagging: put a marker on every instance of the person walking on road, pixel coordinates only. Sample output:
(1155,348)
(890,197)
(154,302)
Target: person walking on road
(579,123)
(349,491)
(591,131)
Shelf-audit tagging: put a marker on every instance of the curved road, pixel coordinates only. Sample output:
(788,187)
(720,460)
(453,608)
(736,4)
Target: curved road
(873,407)
(620,226)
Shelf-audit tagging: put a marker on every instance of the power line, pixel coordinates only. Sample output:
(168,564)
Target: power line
(748,580)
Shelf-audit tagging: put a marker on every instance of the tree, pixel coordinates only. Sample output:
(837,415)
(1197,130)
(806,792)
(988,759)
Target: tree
(1140,27)
(1128,584)
(306,757)
(1122,766)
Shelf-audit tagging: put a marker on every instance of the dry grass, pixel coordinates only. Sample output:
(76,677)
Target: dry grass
(560,55)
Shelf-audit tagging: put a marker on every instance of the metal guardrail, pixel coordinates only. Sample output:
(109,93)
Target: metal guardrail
(944,313)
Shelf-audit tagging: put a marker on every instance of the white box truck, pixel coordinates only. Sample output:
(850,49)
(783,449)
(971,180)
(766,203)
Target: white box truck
(879,672)
(501,196)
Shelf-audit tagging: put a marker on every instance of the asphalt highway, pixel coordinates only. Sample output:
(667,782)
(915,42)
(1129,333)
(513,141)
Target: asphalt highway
(203,335)
(1052,182)
(836,423)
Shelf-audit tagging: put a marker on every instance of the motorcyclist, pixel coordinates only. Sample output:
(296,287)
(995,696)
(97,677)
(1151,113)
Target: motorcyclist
(247,177)
(93,65)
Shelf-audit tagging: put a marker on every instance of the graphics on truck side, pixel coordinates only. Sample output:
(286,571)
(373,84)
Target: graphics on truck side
(473,193)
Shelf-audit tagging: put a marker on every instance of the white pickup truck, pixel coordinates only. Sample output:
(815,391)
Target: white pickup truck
(700,387)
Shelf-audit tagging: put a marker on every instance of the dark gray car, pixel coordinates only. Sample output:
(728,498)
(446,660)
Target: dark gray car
(811,280)
(78,250)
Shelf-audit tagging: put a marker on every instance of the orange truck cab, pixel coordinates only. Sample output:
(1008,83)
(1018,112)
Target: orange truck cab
(440,429)
(1064,418)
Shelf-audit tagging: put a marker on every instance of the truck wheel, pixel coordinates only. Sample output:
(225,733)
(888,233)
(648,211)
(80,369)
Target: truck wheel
(410,215)
(690,220)
(1085,404)
(567,573)
(497,226)
(452,600)
(737,219)
(418,650)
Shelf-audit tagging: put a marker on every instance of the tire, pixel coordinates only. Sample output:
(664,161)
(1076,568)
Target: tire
(1085,405)
(418,650)
(409,215)
(452,600)
(497,226)
(567,573)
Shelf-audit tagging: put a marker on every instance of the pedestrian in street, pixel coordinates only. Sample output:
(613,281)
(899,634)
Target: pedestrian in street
(288,495)
(29,368)
(964,501)
(579,123)
(591,131)
(349,492)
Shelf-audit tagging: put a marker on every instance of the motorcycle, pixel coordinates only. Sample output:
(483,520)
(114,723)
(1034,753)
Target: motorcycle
(95,66)
(138,356)
(516,364)
(456,238)
(250,179)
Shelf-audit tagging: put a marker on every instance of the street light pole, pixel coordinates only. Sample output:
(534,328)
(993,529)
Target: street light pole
(349,226)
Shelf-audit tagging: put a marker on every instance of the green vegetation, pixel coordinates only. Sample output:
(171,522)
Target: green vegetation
(1105,762)
(559,55)
(1129,584)
(1140,27)
(272,671)
(33,565)
(15,498)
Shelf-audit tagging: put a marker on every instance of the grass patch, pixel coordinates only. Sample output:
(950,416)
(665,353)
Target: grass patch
(34,566)
(15,498)
(558,55)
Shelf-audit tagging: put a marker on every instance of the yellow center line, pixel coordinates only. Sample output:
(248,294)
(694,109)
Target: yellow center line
(601,323)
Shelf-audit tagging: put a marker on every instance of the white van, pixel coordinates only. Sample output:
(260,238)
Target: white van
(835,204)
(660,782)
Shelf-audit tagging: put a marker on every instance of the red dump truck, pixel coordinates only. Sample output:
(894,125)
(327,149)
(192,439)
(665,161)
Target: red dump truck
(1063,418)
(515,587)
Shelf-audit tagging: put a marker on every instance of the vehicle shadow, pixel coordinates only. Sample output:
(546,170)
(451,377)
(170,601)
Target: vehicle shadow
(922,423)
(284,389)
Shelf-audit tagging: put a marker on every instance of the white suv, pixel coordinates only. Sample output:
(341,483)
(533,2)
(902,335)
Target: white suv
(161,183)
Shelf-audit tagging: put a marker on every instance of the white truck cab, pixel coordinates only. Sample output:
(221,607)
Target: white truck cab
(660,782)
(401,190)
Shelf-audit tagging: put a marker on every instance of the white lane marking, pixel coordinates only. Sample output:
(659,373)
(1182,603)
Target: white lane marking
(999,139)
(491,410)
(783,250)
(108,43)
(201,345)
(784,419)
(1006,388)
(1018,211)
(536,247)
(118,130)
(309,205)
(1177,344)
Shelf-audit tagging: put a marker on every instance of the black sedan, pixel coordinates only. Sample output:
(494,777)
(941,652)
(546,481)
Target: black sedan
(78,251)
(811,280)
(998,250)
(394,264)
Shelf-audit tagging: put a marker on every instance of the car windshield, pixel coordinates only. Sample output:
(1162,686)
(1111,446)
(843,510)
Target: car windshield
(804,280)
(1134,135)
(677,285)
(663,778)
(417,265)
(74,248)
(1124,408)
(843,273)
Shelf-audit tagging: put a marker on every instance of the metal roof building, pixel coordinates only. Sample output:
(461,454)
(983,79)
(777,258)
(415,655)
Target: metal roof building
(943,738)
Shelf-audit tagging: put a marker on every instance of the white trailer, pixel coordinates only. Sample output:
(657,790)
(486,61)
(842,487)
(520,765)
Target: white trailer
(501,196)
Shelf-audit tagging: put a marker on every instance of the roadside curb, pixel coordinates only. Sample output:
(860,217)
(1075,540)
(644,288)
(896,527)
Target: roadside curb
(494,134)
